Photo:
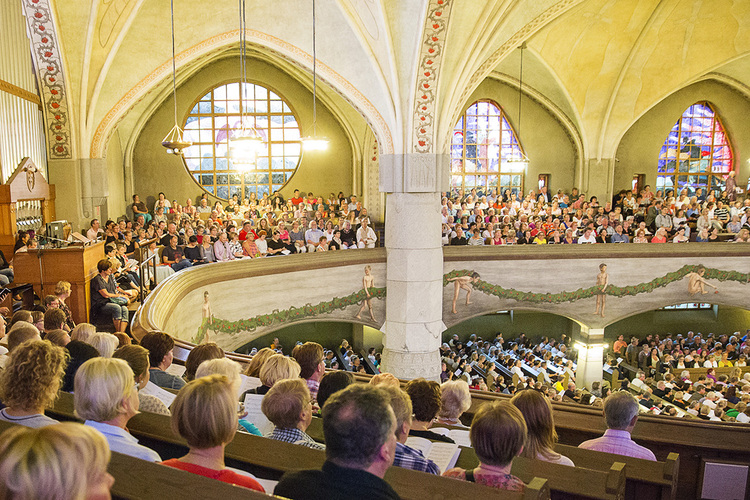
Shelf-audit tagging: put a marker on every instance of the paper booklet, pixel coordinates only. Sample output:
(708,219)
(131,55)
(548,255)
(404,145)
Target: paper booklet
(165,397)
(444,455)
(248,383)
(460,436)
(255,415)
(176,370)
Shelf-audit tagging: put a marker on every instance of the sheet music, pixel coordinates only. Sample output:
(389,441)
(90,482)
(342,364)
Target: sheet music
(444,455)
(165,397)
(461,437)
(255,415)
(176,370)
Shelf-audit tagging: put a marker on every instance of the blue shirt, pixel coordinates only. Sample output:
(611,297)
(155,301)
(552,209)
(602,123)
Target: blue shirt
(120,441)
(409,458)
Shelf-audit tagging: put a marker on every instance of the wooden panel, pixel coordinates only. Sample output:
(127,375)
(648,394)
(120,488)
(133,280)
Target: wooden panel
(75,264)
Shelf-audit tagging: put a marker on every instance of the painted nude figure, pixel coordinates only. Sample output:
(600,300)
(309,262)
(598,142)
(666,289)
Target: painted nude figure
(368,281)
(697,282)
(602,282)
(208,317)
(463,283)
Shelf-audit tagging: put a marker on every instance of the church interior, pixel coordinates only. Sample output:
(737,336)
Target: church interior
(419,109)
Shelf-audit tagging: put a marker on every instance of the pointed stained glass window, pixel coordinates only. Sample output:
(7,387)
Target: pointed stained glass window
(696,153)
(483,147)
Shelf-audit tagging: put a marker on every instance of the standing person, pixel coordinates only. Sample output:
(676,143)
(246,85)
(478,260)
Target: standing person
(731,186)
(602,282)
(366,237)
(356,461)
(368,280)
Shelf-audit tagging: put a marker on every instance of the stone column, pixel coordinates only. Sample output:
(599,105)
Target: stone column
(590,357)
(414,267)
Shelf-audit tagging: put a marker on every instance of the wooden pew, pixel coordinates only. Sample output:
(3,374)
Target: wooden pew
(269,459)
(564,481)
(644,480)
(136,478)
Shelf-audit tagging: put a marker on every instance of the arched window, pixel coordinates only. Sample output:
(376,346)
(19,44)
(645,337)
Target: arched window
(215,119)
(696,154)
(484,151)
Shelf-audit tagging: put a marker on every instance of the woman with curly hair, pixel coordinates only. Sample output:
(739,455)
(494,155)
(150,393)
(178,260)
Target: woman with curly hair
(30,382)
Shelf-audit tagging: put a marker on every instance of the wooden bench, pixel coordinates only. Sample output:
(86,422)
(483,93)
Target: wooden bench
(563,481)
(136,478)
(269,459)
(644,480)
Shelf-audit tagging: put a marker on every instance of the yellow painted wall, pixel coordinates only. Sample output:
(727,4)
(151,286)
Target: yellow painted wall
(154,170)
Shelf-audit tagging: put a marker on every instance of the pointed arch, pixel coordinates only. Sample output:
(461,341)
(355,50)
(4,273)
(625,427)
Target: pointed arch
(483,149)
(696,154)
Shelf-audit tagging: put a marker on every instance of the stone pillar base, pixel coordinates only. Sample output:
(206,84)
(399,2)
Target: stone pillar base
(590,358)
(411,365)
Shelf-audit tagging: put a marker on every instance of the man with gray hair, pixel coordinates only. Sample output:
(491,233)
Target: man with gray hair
(360,433)
(621,414)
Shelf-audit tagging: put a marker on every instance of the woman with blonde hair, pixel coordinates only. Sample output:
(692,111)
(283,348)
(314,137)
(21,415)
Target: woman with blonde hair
(82,332)
(257,362)
(137,358)
(63,291)
(455,400)
(30,382)
(106,397)
(205,415)
(541,437)
(67,460)
(276,367)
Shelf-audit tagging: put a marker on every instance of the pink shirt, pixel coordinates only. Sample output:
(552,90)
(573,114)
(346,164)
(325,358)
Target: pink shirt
(619,443)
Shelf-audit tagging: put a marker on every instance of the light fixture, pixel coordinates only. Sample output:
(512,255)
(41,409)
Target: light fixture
(581,346)
(247,143)
(174,141)
(313,142)
(517,164)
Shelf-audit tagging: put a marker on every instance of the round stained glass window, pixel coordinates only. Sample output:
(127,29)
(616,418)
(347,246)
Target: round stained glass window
(215,120)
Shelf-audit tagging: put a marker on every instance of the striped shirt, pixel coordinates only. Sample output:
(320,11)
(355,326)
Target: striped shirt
(620,443)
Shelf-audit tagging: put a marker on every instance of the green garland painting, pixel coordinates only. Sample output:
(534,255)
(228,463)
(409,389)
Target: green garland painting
(593,291)
(292,314)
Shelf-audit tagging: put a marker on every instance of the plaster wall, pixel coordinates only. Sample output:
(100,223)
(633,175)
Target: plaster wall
(116,201)
(639,148)
(545,141)
(320,172)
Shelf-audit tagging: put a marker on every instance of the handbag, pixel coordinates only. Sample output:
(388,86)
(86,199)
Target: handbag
(120,301)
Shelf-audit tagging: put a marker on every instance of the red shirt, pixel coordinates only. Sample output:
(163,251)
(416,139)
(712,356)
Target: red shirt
(225,476)
(243,235)
(296,201)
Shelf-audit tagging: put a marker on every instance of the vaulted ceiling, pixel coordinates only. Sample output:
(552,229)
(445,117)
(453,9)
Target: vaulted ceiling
(602,63)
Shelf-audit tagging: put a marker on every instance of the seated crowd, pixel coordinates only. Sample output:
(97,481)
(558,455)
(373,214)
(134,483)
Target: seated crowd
(107,375)
(491,218)
(248,228)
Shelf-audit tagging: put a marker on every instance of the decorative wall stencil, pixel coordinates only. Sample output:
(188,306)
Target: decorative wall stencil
(278,318)
(46,53)
(611,290)
(433,42)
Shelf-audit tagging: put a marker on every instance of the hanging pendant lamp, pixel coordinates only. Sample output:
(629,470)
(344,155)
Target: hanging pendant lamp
(174,141)
(313,142)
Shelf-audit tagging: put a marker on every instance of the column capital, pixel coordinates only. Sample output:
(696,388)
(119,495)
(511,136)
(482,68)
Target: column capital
(414,173)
